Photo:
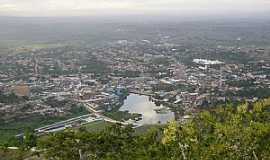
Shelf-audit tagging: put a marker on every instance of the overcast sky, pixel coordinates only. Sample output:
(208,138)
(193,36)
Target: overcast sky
(99,7)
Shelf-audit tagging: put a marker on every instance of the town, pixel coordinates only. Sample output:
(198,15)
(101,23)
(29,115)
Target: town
(68,81)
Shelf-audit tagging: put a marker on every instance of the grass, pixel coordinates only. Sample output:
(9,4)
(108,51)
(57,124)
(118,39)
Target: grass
(122,115)
(97,126)
(9,130)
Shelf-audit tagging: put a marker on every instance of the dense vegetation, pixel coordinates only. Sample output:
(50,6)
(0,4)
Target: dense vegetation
(11,128)
(11,98)
(247,92)
(227,132)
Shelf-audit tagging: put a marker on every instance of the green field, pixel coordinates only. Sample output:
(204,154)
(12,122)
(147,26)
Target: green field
(9,130)
(97,126)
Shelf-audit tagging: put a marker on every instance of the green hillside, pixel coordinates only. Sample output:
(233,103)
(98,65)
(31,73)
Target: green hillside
(227,132)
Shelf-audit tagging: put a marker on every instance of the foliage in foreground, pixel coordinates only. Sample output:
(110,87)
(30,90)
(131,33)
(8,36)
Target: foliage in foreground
(227,132)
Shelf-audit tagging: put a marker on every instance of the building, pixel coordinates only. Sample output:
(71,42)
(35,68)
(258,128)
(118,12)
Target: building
(21,90)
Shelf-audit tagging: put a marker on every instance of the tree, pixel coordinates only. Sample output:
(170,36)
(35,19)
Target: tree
(30,139)
(226,132)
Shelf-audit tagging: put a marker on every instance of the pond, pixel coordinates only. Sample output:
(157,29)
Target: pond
(151,113)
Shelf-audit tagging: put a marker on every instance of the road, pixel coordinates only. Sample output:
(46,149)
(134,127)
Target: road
(107,119)
(141,93)
(67,123)
(62,123)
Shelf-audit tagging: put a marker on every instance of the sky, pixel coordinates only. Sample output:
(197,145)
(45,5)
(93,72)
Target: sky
(139,7)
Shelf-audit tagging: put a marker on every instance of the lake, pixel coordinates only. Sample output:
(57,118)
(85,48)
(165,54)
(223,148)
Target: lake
(142,105)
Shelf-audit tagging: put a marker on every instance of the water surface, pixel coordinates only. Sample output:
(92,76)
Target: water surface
(142,105)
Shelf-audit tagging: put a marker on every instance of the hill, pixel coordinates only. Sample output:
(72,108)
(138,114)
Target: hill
(226,132)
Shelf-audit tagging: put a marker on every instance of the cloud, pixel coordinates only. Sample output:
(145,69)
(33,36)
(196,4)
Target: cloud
(87,7)
(8,7)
